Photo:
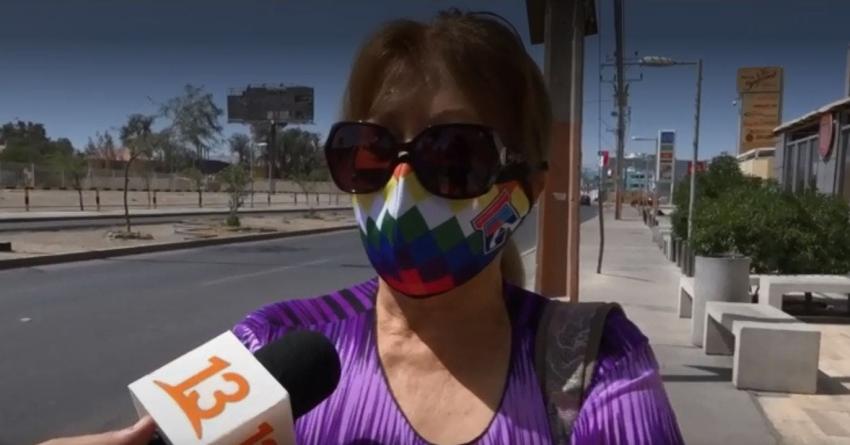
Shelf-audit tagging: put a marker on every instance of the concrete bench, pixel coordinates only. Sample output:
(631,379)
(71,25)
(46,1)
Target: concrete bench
(772,350)
(686,293)
(773,287)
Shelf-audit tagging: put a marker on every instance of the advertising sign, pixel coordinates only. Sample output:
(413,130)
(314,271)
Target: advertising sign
(760,114)
(762,79)
(760,90)
(666,155)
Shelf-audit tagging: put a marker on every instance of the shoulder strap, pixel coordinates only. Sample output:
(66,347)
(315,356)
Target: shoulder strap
(566,346)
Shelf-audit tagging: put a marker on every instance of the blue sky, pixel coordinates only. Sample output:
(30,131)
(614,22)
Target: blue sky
(83,66)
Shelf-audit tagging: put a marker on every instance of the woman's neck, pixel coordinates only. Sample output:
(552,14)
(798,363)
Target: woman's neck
(470,310)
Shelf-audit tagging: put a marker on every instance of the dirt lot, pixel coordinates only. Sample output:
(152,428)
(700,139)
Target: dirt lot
(26,244)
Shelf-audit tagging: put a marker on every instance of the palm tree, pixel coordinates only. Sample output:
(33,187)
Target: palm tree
(137,137)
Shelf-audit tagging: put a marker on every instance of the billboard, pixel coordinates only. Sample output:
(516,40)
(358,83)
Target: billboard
(284,104)
(666,155)
(760,91)
(763,79)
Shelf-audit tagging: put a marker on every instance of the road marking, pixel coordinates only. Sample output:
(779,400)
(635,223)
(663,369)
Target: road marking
(266,271)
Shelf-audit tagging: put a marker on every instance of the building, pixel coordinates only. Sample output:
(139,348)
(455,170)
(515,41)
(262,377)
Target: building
(758,162)
(638,169)
(811,151)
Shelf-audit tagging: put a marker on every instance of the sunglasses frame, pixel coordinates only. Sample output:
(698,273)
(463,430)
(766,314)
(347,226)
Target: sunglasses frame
(512,166)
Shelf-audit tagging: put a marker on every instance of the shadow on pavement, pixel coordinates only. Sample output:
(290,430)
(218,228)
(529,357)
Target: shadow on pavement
(714,374)
(828,385)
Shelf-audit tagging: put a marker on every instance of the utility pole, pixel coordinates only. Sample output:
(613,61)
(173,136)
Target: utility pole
(620,98)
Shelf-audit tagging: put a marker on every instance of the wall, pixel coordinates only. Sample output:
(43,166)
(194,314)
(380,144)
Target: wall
(760,167)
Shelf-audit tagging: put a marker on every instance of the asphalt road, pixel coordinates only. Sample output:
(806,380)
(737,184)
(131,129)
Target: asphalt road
(72,336)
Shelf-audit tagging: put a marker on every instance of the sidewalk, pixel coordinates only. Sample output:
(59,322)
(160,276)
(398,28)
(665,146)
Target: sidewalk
(710,410)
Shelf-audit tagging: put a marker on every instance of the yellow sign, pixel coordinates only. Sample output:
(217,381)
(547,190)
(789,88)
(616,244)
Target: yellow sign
(765,79)
(760,114)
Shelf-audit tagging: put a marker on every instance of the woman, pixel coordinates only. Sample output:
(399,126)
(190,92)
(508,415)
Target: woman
(438,349)
(443,145)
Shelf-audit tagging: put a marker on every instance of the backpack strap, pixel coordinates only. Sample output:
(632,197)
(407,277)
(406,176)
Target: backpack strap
(566,347)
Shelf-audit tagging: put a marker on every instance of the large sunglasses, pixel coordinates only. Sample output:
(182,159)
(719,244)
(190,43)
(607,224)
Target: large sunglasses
(454,161)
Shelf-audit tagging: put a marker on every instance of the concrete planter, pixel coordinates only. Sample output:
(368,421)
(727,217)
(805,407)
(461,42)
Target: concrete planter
(723,278)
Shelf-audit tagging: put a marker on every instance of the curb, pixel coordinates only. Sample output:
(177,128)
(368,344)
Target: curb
(42,260)
(73,217)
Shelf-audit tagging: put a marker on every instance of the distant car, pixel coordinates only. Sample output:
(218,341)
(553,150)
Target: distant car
(585,200)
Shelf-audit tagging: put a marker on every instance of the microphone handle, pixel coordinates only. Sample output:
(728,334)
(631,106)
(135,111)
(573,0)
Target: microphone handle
(157,439)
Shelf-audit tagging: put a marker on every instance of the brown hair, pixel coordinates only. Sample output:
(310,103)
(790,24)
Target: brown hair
(483,56)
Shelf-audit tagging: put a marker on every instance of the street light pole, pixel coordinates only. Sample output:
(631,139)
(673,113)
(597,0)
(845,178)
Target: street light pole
(664,62)
(692,196)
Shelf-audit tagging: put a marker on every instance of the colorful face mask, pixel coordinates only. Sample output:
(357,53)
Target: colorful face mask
(423,245)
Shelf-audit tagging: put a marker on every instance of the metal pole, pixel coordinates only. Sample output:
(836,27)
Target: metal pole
(645,179)
(253,149)
(656,175)
(601,220)
(270,160)
(621,109)
(692,196)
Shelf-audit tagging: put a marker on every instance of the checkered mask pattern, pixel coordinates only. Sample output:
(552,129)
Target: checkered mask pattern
(422,244)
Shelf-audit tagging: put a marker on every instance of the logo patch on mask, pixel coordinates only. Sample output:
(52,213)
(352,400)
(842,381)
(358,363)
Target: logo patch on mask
(497,221)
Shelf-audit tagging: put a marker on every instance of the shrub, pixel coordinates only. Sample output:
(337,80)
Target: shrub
(781,232)
(723,174)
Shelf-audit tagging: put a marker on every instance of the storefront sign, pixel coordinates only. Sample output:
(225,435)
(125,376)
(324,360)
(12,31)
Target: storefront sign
(701,166)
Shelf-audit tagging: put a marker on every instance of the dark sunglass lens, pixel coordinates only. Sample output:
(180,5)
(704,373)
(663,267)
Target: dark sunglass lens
(360,157)
(456,162)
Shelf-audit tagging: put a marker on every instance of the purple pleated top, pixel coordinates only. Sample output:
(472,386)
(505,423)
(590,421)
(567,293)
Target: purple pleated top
(626,403)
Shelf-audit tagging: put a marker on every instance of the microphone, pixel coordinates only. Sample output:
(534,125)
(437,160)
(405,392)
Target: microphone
(219,393)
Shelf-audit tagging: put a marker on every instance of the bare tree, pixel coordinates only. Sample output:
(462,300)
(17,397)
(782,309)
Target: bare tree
(102,147)
(302,160)
(195,119)
(198,179)
(236,178)
(74,167)
(240,145)
(137,137)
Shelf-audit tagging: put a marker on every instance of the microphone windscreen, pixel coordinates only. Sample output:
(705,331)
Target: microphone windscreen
(306,364)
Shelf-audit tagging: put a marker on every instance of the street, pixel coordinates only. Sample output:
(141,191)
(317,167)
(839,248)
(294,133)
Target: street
(74,335)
